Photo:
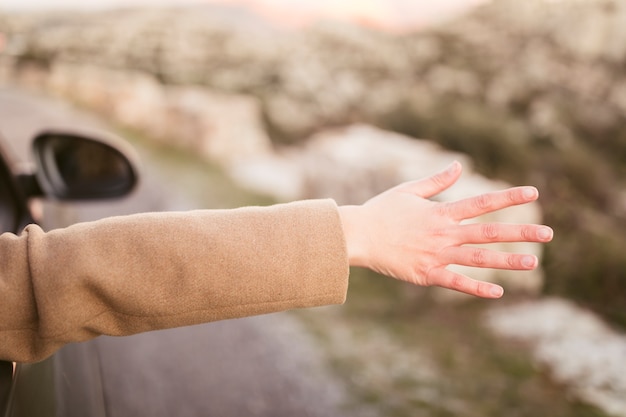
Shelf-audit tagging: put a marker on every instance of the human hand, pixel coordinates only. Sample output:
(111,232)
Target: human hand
(402,234)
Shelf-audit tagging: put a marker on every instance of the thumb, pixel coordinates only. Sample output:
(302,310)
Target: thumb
(435,184)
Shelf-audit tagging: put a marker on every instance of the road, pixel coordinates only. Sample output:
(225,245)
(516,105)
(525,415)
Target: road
(261,366)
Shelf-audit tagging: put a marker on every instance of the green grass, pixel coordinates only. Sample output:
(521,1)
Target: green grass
(437,359)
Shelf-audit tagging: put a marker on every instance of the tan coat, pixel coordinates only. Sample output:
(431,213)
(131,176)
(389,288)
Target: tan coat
(137,273)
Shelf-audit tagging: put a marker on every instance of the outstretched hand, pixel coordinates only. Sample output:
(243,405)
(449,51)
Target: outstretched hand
(402,234)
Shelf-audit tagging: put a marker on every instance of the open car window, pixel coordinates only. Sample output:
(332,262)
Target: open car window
(10,203)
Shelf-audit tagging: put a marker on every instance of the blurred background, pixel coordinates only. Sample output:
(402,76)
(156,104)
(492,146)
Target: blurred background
(284,100)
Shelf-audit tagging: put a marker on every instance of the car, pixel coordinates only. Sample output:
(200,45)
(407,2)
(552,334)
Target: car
(68,166)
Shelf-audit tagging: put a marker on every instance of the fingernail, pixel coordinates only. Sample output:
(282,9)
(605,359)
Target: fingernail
(530,192)
(454,166)
(545,233)
(529,261)
(496,292)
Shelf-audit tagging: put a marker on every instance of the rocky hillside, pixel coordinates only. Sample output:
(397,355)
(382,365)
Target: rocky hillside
(534,91)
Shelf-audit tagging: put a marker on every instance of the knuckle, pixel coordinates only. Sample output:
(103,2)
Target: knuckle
(482,289)
(439,180)
(512,261)
(490,231)
(527,233)
(482,202)
(429,279)
(456,282)
(478,257)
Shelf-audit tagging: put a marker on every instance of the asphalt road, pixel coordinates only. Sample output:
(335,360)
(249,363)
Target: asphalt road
(261,366)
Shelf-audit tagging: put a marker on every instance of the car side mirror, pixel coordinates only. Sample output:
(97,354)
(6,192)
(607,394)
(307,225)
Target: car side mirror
(74,166)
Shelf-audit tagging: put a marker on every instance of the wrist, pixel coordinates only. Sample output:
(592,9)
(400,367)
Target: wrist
(354,234)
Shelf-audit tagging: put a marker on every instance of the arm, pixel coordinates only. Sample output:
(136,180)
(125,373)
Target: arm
(131,274)
(125,275)
(401,234)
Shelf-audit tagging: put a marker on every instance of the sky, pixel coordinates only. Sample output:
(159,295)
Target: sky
(389,14)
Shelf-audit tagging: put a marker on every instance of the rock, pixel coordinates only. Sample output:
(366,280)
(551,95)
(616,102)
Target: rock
(578,348)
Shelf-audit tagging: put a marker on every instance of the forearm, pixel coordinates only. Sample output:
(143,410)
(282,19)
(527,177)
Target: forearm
(131,274)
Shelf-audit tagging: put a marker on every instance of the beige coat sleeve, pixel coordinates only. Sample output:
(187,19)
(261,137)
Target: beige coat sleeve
(137,273)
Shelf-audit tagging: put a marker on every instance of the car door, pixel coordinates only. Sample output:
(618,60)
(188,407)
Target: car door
(69,166)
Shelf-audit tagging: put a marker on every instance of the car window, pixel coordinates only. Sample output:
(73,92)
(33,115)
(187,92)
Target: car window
(9,200)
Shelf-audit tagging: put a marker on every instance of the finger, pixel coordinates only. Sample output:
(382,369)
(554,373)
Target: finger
(489,202)
(458,282)
(486,258)
(436,183)
(500,232)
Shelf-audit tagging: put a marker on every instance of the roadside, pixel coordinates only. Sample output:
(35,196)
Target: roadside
(392,349)
(398,352)
(406,355)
